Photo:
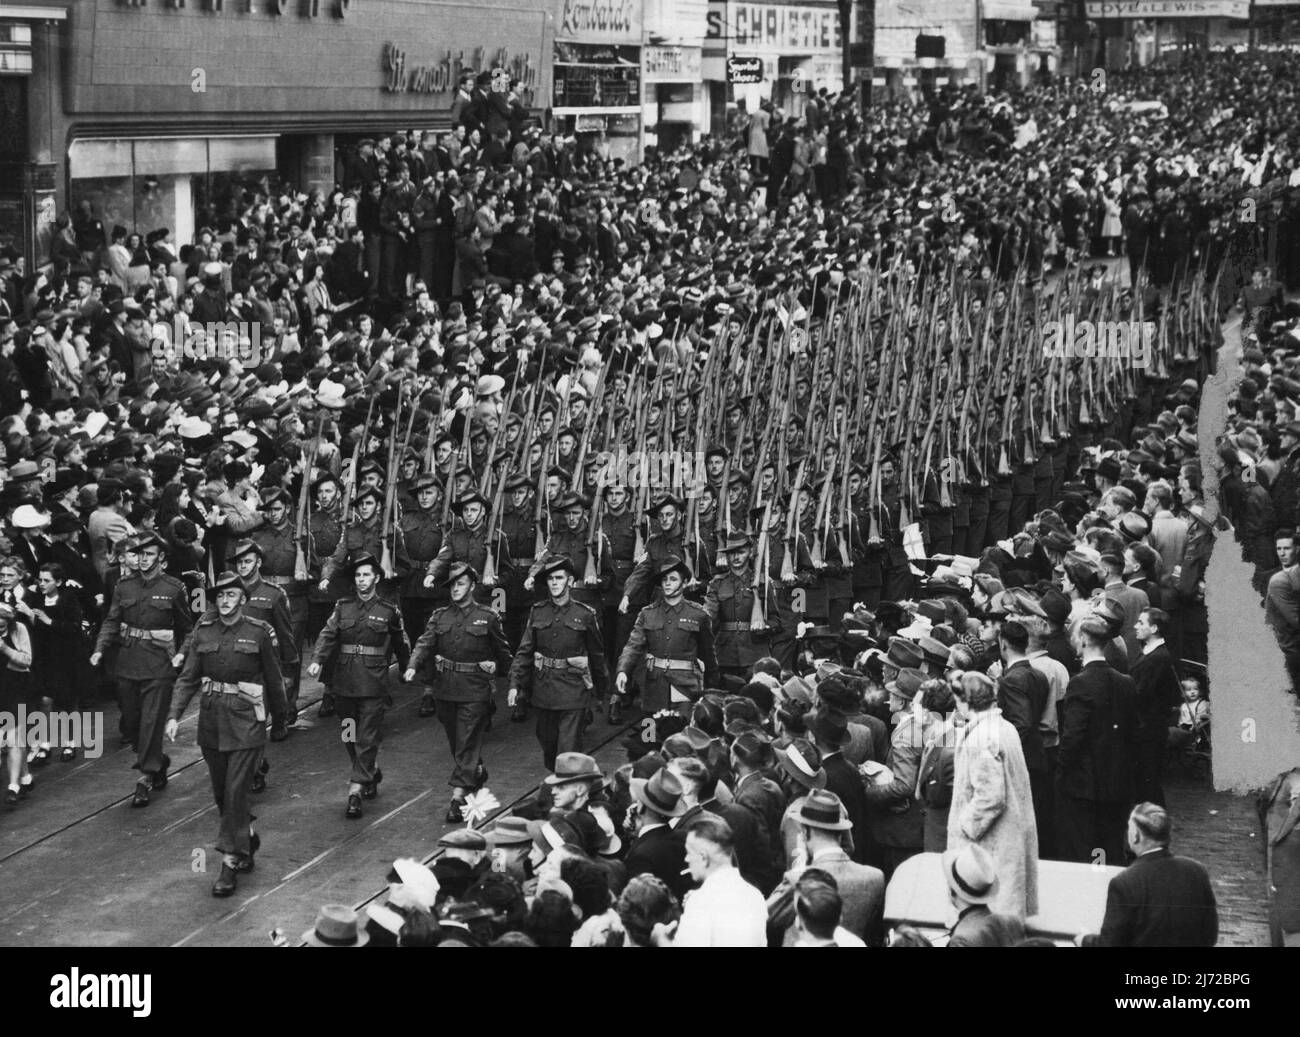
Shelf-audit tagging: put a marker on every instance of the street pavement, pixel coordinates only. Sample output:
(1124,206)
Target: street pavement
(79,866)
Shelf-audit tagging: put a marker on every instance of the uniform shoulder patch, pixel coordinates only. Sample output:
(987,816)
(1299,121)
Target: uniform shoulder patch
(384,601)
(263,624)
(172,581)
(585,607)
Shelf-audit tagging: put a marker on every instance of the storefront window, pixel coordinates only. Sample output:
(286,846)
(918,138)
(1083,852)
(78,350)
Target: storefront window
(175,183)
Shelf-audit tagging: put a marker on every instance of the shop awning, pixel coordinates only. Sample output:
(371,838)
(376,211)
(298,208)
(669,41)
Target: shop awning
(1009,11)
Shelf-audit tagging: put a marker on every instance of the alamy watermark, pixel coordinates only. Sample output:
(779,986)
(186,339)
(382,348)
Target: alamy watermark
(213,340)
(679,471)
(30,730)
(1096,340)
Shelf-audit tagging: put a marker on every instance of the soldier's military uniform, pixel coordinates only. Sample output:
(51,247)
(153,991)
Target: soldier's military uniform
(574,544)
(560,665)
(418,543)
(324,530)
(463,544)
(147,622)
(675,645)
(363,635)
(235,665)
(519,528)
(620,531)
(782,619)
(269,603)
(357,539)
(279,560)
(642,584)
(467,650)
(729,602)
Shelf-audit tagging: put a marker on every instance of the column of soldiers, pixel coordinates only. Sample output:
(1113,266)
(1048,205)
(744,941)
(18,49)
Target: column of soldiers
(532,565)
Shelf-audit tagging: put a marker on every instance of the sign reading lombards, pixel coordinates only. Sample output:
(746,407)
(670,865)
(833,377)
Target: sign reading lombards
(600,21)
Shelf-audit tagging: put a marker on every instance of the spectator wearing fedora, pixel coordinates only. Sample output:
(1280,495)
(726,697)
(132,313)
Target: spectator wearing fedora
(467,648)
(726,911)
(824,824)
(799,770)
(654,850)
(972,878)
(829,731)
(897,817)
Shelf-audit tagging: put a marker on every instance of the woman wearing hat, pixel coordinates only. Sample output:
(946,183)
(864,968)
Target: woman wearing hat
(992,802)
(15,678)
(59,646)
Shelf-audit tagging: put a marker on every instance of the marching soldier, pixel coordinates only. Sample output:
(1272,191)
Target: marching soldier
(279,553)
(572,540)
(560,663)
(418,545)
(362,634)
(519,527)
(467,648)
(234,662)
(668,541)
(468,543)
(730,605)
(619,524)
(265,601)
(782,620)
(363,535)
(147,622)
(324,531)
(672,638)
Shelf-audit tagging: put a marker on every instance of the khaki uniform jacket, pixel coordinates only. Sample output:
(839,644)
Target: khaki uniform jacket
(148,620)
(469,634)
(366,635)
(242,653)
(675,634)
(568,632)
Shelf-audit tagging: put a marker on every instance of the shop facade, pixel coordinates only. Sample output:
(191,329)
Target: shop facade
(162,114)
(597,76)
(673,63)
(779,52)
(1140,32)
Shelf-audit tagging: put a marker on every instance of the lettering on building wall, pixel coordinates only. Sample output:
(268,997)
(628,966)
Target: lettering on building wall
(772,27)
(306,8)
(441,77)
(599,18)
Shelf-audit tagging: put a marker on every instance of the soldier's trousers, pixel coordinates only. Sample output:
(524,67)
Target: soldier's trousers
(559,731)
(415,617)
(293,672)
(362,721)
(465,723)
(318,614)
(1022,510)
(839,606)
(513,625)
(977,531)
(616,628)
(999,519)
(145,705)
(232,783)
